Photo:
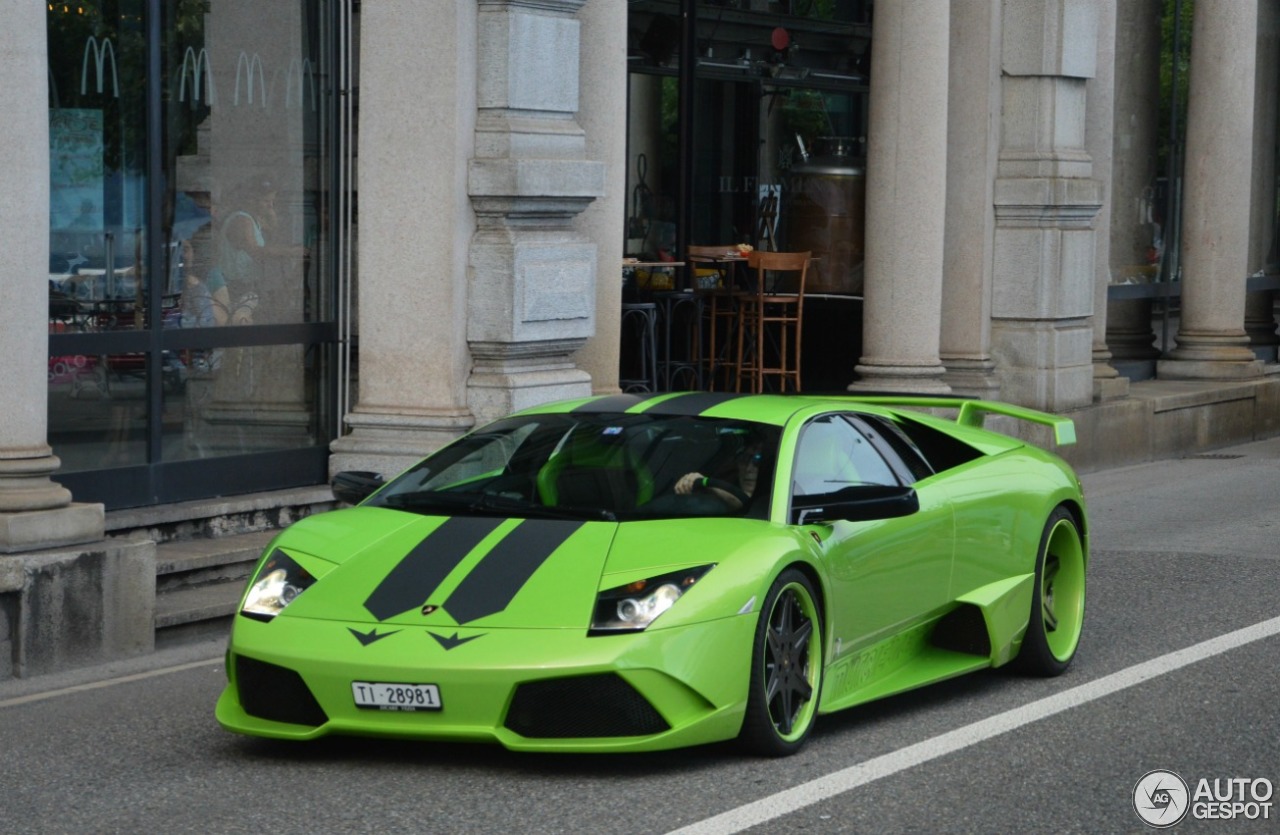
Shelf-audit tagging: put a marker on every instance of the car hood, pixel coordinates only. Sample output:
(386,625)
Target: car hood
(380,566)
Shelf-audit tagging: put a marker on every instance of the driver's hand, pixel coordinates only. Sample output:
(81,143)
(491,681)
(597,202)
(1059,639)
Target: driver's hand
(688,482)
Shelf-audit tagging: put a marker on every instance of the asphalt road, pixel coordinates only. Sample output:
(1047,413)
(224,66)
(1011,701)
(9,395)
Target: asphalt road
(1179,669)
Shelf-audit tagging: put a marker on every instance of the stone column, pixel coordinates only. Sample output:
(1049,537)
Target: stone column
(1211,340)
(906,199)
(1099,133)
(67,596)
(417,121)
(973,141)
(1135,226)
(1260,314)
(35,512)
(604,41)
(1046,204)
(532,295)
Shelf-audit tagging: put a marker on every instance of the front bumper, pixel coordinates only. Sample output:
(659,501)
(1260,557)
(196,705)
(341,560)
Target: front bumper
(527,689)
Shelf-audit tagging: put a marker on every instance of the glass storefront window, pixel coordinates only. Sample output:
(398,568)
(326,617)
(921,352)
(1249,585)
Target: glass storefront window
(97,151)
(98,271)
(654,174)
(724,119)
(747,124)
(190,279)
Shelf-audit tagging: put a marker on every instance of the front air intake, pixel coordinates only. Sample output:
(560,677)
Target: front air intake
(582,707)
(276,693)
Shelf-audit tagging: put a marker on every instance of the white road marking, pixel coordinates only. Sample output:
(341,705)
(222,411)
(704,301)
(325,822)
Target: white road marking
(839,782)
(95,685)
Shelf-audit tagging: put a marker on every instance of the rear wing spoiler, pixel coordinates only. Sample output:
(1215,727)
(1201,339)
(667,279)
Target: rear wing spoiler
(974,412)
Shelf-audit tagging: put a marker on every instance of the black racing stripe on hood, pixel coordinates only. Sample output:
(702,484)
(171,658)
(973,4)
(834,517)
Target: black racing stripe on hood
(691,404)
(614,403)
(495,582)
(415,577)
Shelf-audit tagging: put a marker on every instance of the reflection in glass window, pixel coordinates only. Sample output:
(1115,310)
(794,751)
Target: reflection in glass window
(832,455)
(154,257)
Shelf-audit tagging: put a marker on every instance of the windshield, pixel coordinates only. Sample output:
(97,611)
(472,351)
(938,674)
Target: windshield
(596,466)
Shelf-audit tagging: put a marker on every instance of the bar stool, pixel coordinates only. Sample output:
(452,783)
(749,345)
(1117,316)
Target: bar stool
(720,304)
(772,318)
(679,332)
(639,328)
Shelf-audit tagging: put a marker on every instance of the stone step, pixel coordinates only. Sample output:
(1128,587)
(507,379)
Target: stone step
(195,614)
(220,517)
(199,583)
(205,550)
(197,555)
(185,606)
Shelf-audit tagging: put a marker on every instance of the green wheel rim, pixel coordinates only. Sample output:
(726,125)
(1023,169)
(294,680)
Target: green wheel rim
(1062,590)
(792,662)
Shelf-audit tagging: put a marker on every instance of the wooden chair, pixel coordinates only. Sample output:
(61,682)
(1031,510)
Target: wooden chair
(720,305)
(771,320)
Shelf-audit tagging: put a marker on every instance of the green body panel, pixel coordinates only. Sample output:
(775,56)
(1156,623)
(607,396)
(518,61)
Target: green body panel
(1004,606)
(897,663)
(345,534)
(694,676)
(599,555)
(558,595)
(894,593)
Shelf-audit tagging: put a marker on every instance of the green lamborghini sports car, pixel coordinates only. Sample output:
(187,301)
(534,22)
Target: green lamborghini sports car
(639,572)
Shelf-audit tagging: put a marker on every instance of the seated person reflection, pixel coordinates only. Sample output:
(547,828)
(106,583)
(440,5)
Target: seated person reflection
(734,496)
(205,300)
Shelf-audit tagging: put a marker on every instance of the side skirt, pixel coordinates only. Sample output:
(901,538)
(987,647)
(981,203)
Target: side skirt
(984,629)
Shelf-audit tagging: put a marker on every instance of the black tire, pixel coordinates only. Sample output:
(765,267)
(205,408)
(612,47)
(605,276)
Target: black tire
(1057,601)
(786,669)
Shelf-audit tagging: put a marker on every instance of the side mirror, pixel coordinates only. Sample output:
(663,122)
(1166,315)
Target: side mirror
(862,503)
(354,486)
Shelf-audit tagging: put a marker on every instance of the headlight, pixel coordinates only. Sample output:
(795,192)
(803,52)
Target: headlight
(631,608)
(279,582)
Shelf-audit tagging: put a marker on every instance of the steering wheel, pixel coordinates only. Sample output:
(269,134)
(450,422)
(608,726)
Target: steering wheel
(705,485)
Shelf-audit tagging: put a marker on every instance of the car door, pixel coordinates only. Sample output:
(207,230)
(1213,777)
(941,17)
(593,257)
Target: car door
(886,575)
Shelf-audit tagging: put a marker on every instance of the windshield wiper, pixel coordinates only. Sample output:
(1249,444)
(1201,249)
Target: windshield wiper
(423,500)
(489,504)
(572,512)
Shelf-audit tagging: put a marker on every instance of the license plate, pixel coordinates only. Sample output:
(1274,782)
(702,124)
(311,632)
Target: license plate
(384,696)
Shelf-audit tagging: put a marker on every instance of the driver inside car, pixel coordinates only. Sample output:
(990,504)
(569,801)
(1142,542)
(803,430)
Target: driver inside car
(734,495)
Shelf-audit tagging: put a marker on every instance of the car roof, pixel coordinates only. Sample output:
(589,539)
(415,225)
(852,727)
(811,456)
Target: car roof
(774,409)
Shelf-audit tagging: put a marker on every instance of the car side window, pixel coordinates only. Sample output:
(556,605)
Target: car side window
(832,455)
(898,449)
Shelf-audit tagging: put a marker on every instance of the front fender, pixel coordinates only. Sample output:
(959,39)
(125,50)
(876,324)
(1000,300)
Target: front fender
(748,555)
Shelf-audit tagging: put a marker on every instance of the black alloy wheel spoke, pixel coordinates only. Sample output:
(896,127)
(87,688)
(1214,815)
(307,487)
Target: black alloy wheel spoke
(772,683)
(1051,567)
(802,635)
(787,687)
(786,614)
(777,646)
(785,719)
(802,686)
(800,666)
